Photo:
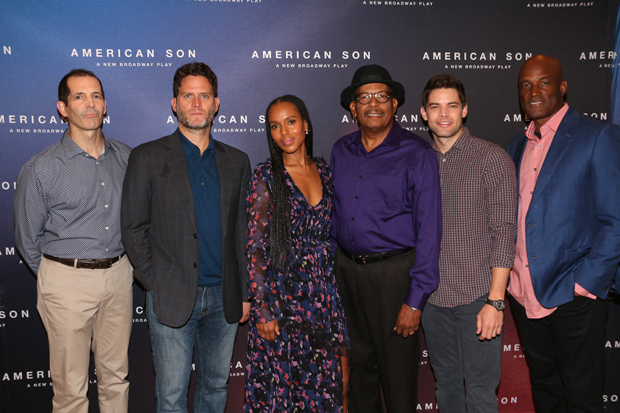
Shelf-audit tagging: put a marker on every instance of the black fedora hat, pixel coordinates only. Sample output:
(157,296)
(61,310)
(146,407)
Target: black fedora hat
(371,74)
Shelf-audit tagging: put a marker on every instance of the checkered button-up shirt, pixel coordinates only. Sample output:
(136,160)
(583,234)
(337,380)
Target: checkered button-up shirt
(478,197)
(68,204)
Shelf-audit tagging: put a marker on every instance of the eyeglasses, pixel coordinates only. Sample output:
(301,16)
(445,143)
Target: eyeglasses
(365,98)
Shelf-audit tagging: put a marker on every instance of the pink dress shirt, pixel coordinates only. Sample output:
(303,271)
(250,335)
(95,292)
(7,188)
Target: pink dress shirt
(536,150)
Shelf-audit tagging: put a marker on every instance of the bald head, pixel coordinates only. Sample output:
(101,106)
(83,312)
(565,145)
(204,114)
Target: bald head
(541,88)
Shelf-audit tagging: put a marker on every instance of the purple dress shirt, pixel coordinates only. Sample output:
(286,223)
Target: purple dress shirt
(389,199)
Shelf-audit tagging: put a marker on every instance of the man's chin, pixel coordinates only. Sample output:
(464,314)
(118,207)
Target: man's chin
(197,126)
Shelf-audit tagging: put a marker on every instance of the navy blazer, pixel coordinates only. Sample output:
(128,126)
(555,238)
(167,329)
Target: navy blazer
(573,223)
(159,227)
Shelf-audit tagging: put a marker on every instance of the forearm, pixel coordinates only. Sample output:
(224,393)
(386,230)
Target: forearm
(29,212)
(499,279)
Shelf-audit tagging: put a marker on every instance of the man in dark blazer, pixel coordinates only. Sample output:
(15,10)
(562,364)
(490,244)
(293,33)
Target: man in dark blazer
(184,221)
(568,241)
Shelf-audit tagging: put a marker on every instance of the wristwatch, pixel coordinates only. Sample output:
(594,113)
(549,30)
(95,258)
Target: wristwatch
(499,305)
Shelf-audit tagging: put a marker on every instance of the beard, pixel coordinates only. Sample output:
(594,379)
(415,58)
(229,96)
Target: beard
(185,121)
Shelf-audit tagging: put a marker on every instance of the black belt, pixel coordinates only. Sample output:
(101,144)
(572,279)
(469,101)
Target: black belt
(92,264)
(370,258)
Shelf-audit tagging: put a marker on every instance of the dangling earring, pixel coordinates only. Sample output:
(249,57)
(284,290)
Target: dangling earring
(355,119)
(306,131)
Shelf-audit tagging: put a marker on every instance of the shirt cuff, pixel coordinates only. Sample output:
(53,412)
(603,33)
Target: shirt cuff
(416,299)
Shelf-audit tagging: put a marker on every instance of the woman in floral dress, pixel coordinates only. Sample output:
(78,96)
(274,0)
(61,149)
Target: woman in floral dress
(297,341)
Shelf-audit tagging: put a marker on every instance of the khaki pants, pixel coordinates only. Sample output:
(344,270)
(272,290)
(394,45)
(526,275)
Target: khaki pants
(80,306)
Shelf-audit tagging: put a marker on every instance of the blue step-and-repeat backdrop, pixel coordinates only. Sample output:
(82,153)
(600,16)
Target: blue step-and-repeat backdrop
(261,49)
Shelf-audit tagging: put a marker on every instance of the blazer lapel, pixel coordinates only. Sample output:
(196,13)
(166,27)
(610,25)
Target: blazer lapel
(225,174)
(178,168)
(561,141)
(519,153)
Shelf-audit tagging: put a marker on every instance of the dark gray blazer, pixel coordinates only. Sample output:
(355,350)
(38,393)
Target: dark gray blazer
(159,227)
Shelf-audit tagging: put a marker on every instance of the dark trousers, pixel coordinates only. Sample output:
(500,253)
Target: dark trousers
(456,355)
(565,355)
(372,296)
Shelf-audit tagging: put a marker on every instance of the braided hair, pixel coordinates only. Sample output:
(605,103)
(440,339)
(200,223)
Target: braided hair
(280,235)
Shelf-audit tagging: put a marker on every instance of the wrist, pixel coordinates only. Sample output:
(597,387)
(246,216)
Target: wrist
(499,305)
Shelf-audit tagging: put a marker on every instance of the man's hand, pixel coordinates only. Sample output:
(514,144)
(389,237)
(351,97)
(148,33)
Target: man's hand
(408,321)
(269,330)
(246,313)
(489,323)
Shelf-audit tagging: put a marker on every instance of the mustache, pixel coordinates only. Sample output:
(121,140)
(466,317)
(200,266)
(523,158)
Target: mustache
(374,112)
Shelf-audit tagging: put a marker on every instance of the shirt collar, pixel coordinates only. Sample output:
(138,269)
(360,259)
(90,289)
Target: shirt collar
(553,123)
(73,149)
(461,143)
(189,147)
(393,137)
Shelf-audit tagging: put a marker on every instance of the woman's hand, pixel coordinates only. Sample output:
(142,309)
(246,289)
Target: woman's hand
(268,330)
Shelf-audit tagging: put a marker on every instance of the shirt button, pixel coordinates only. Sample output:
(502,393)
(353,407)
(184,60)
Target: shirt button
(107,228)
(352,239)
(103,183)
(355,196)
(196,236)
(360,176)
(352,218)
(365,156)
(443,160)
(195,265)
(203,184)
(107,249)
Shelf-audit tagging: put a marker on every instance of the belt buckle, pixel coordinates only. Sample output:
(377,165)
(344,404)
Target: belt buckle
(90,265)
(359,259)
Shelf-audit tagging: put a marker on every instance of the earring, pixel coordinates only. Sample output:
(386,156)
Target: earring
(355,119)
(306,131)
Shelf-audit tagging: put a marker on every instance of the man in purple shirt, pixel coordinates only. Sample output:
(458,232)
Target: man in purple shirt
(386,231)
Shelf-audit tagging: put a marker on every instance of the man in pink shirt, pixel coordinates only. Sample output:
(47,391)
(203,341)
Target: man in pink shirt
(568,241)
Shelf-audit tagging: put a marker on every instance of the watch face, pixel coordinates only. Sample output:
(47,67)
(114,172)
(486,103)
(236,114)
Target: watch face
(499,305)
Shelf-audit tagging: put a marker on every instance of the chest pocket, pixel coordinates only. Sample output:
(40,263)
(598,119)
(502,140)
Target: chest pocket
(389,191)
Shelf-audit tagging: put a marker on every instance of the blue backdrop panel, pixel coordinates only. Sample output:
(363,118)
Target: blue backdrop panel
(260,50)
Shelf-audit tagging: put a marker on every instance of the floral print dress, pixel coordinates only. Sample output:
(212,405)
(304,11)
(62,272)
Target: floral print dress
(301,370)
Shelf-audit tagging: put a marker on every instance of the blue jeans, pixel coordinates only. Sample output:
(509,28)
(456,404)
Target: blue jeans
(211,340)
(456,354)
